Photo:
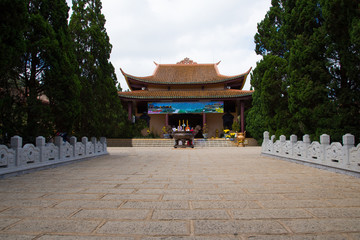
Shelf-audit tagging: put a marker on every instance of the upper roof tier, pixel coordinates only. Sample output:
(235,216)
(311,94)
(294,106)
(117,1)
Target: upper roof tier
(185,72)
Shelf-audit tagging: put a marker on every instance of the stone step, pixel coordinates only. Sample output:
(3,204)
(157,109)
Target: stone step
(167,143)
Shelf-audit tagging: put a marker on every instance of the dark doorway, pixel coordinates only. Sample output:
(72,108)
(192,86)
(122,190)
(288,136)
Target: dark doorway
(193,120)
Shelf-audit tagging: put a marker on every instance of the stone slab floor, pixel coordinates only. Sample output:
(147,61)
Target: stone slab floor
(165,193)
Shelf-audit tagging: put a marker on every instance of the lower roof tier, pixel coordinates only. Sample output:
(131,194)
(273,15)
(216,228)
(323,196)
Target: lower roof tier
(186,95)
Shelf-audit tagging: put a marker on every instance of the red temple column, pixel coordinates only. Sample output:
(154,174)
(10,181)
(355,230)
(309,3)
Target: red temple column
(166,119)
(204,118)
(130,111)
(242,109)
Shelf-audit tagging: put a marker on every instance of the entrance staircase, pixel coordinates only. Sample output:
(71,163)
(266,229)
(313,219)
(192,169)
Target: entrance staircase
(145,142)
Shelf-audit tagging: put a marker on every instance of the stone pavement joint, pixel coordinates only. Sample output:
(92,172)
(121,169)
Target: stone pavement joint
(192,194)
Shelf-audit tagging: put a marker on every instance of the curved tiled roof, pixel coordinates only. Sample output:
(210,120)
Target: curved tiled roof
(183,74)
(201,94)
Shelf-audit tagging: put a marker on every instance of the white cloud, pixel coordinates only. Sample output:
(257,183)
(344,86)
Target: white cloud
(166,31)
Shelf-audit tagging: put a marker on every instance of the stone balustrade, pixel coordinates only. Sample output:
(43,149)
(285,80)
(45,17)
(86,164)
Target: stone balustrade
(20,158)
(345,156)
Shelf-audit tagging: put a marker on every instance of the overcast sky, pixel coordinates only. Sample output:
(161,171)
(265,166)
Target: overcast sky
(167,31)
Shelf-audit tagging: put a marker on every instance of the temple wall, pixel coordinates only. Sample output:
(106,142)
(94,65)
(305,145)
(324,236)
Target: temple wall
(213,120)
(157,121)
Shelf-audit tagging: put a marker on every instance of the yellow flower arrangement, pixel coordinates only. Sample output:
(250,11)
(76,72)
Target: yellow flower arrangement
(205,128)
(226,130)
(164,129)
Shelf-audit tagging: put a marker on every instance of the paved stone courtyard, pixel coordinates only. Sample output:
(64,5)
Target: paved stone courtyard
(166,193)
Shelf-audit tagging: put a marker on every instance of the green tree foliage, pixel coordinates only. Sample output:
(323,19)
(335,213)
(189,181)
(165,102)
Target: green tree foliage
(12,45)
(48,64)
(39,77)
(342,25)
(308,79)
(101,110)
(61,83)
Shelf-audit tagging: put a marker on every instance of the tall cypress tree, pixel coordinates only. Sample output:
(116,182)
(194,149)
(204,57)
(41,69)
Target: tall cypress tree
(307,69)
(101,111)
(39,86)
(318,42)
(61,83)
(12,46)
(342,25)
(269,78)
(48,69)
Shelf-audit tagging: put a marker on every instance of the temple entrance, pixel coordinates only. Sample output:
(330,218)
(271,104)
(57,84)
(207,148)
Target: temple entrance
(193,120)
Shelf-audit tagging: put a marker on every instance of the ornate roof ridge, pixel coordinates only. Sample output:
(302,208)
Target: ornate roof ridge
(185,72)
(184,94)
(186,61)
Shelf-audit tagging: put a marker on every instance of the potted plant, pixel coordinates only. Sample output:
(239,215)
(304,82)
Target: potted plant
(166,131)
(226,133)
(236,126)
(205,131)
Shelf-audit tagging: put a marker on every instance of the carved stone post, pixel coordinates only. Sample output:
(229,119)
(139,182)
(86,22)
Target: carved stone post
(348,143)
(59,144)
(293,141)
(16,145)
(272,144)
(325,142)
(282,144)
(73,141)
(40,143)
(84,140)
(265,142)
(266,136)
(93,140)
(104,143)
(306,141)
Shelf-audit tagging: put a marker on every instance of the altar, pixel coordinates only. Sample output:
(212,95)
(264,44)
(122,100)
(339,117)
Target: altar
(183,139)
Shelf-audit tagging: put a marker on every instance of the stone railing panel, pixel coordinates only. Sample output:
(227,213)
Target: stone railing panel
(31,154)
(288,148)
(334,155)
(98,147)
(68,150)
(7,157)
(51,152)
(79,149)
(343,156)
(355,158)
(104,143)
(314,152)
(18,158)
(89,148)
(299,150)
(277,147)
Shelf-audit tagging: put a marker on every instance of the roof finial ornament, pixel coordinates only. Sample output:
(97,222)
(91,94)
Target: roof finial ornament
(186,61)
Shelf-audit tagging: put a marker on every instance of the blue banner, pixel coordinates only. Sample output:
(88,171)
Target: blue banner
(185,107)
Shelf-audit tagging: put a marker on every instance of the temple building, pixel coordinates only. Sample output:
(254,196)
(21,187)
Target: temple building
(187,92)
